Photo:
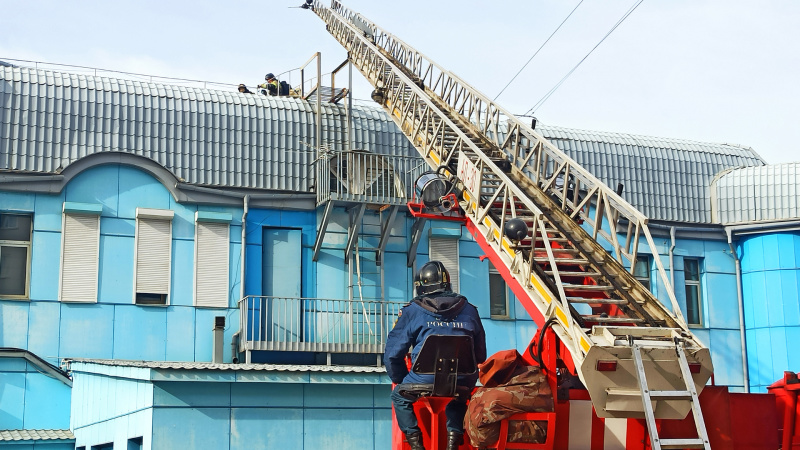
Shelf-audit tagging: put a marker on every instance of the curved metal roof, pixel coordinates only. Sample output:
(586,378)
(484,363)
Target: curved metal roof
(757,194)
(49,120)
(666,179)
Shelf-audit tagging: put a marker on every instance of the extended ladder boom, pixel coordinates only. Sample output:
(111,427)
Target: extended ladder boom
(559,271)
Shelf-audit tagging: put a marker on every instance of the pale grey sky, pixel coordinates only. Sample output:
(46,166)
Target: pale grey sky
(708,70)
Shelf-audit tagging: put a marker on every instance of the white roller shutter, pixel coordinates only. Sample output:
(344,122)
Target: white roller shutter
(80,248)
(446,251)
(153,255)
(212,245)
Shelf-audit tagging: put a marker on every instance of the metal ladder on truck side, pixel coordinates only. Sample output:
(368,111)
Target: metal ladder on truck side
(560,271)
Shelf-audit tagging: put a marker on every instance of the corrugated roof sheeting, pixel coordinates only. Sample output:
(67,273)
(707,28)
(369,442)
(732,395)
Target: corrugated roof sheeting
(758,194)
(177,365)
(218,138)
(666,179)
(36,435)
(50,119)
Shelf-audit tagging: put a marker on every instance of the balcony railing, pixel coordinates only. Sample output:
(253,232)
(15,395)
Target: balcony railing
(367,177)
(315,324)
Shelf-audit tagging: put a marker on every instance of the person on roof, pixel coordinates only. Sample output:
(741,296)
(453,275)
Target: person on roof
(243,89)
(435,310)
(272,86)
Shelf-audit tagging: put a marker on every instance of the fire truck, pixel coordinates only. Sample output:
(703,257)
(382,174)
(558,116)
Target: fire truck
(626,372)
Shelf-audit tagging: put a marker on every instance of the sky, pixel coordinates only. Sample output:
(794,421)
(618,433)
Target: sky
(725,71)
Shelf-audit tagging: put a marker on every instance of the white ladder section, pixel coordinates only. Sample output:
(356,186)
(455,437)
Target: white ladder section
(563,266)
(689,394)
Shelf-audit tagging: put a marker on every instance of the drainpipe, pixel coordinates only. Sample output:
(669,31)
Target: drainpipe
(235,339)
(672,256)
(741,310)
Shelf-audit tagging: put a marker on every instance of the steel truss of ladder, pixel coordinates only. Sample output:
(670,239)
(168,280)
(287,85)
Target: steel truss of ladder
(559,270)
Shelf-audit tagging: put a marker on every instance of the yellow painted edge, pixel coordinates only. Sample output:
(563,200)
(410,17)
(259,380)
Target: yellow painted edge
(435,158)
(508,248)
(585,345)
(541,291)
(562,317)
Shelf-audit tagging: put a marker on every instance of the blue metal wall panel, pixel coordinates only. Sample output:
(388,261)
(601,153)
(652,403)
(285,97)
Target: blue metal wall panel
(12,400)
(278,395)
(727,361)
(183,222)
(182,282)
(398,278)
(500,335)
(790,289)
(774,299)
(717,258)
(86,331)
(342,396)
(47,403)
(175,428)
(786,257)
(44,330)
(47,212)
(331,279)
(12,201)
(193,394)
(253,278)
(180,333)
(721,302)
(14,324)
(115,281)
(323,429)
(139,190)
(474,274)
(97,185)
(277,428)
(204,324)
(140,333)
(45,263)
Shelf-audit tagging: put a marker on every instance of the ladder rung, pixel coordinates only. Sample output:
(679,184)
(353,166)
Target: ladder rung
(682,443)
(670,395)
(572,261)
(587,287)
(567,273)
(612,319)
(601,301)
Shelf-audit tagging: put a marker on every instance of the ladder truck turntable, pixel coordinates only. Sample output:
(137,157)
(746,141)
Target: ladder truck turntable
(638,360)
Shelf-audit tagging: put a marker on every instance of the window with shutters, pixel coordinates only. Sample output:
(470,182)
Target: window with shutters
(80,247)
(446,251)
(153,256)
(212,244)
(15,255)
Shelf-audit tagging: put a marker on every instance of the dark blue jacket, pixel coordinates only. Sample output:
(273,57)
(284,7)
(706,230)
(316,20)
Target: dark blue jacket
(445,313)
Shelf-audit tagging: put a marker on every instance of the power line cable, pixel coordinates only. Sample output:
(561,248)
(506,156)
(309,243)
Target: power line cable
(551,91)
(537,51)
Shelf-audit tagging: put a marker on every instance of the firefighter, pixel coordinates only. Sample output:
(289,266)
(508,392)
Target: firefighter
(435,310)
(272,86)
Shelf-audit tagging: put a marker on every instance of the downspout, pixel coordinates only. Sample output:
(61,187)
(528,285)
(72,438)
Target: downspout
(235,338)
(672,256)
(741,311)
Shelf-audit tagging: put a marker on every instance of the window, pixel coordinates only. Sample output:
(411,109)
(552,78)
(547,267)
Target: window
(691,273)
(498,295)
(135,443)
(212,244)
(15,254)
(80,247)
(153,256)
(446,251)
(641,270)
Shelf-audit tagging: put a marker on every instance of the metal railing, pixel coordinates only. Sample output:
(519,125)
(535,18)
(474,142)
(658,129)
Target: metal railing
(367,177)
(315,324)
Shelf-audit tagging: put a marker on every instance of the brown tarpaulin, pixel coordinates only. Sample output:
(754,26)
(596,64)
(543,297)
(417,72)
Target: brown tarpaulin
(509,387)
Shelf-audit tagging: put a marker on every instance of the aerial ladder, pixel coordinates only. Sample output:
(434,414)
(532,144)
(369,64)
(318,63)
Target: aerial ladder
(635,357)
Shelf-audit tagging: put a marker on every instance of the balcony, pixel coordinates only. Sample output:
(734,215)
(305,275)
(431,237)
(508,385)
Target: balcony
(363,177)
(315,324)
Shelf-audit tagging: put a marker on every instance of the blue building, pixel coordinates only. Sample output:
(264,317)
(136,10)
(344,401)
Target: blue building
(181,266)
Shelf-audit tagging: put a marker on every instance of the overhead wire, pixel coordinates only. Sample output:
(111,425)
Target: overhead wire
(551,91)
(537,51)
